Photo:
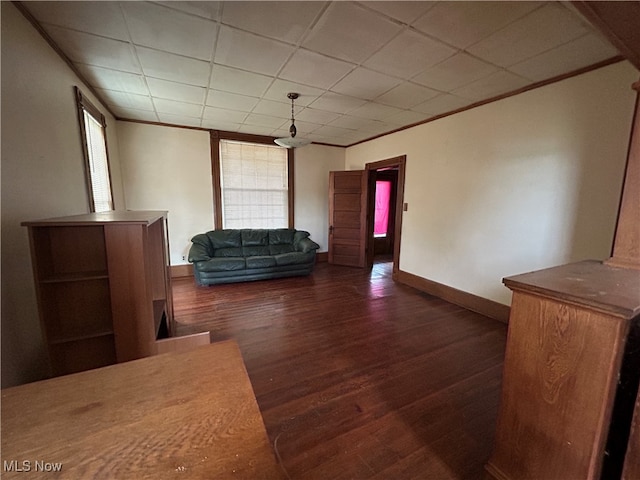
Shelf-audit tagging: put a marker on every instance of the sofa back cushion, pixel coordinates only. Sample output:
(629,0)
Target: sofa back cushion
(227,238)
(281,240)
(225,243)
(255,242)
(254,237)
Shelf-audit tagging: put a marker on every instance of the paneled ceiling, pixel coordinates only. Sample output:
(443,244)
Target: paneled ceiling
(362,69)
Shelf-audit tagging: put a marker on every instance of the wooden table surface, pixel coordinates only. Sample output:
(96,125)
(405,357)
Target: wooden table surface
(189,415)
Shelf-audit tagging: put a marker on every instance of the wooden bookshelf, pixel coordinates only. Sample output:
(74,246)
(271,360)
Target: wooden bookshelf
(103,287)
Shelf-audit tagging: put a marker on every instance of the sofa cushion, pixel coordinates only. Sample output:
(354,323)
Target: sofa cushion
(228,252)
(263,261)
(254,237)
(278,249)
(293,258)
(221,264)
(225,238)
(255,251)
(281,236)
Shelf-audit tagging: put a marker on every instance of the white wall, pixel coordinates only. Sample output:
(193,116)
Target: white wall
(42,176)
(167,168)
(521,184)
(312,167)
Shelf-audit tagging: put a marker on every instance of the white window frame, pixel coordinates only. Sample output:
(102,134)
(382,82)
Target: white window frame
(96,155)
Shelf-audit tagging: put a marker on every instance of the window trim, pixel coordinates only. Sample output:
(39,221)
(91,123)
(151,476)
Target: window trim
(84,104)
(216,173)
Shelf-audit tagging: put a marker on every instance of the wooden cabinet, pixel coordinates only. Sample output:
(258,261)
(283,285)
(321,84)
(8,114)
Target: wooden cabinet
(570,374)
(103,287)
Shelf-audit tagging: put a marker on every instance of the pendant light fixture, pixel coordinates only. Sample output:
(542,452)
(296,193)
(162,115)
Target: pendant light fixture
(292,141)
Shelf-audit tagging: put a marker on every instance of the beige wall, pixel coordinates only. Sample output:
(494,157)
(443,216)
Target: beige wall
(42,176)
(312,167)
(166,168)
(524,183)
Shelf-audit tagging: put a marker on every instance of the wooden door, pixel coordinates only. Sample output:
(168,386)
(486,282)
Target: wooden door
(348,218)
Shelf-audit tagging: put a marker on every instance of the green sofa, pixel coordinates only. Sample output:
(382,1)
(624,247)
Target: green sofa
(241,255)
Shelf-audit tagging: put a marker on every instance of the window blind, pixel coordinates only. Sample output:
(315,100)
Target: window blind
(254,184)
(98,164)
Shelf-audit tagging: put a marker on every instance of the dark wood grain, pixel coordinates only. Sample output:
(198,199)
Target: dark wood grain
(180,415)
(570,374)
(357,376)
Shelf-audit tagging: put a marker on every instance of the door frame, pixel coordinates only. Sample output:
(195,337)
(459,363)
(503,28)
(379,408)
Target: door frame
(400,162)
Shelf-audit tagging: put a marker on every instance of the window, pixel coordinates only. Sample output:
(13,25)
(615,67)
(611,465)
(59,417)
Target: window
(252,182)
(94,147)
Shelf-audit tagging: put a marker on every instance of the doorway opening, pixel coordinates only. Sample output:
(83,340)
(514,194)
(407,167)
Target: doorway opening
(385,206)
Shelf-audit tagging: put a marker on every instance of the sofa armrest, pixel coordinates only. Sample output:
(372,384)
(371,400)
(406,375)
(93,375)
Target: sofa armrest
(198,253)
(201,249)
(306,245)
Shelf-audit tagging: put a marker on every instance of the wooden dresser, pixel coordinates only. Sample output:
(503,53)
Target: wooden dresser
(571,374)
(103,287)
(190,415)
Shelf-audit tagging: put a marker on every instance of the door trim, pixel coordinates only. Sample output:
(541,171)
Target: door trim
(400,162)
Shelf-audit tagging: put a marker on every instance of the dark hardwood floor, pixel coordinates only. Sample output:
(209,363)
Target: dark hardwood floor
(356,376)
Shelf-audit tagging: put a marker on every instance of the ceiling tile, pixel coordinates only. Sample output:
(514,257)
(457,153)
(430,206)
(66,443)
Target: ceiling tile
(133,114)
(286,21)
(491,86)
(256,129)
(313,69)
(239,81)
(407,54)
(335,102)
(209,9)
(330,131)
(454,72)
(177,108)
(99,18)
(579,53)
(223,115)
(375,111)
(378,127)
(464,23)
(232,101)
(220,125)
(158,27)
(405,12)
(280,88)
(365,84)
(167,66)
(338,56)
(250,52)
(125,100)
(441,104)
(175,91)
(179,120)
(264,120)
(407,117)
(316,116)
(113,79)
(94,50)
(355,123)
(406,95)
(275,109)
(543,29)
(350,32)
